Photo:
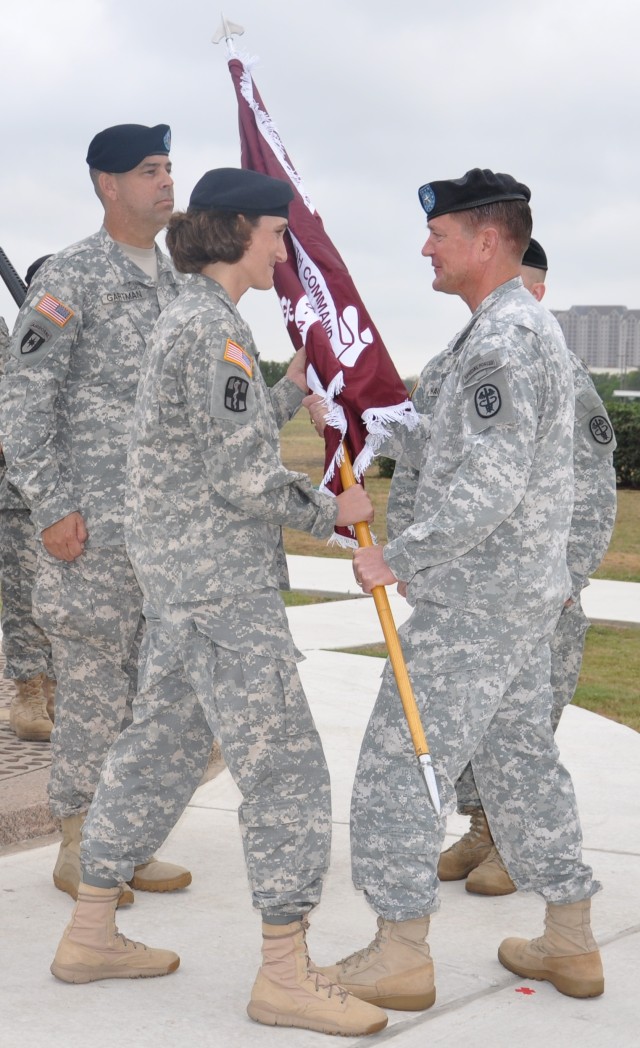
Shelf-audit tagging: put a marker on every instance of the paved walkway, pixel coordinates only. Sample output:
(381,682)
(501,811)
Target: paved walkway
(216,933)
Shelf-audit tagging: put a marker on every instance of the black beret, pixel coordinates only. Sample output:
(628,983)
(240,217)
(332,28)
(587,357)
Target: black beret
(34,267)
(240,191)
(477,187)
(121,148)
(535,256)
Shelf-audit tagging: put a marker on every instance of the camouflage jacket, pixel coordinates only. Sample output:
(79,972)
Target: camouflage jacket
(207,491)
(494,490)
(594,508)
(69,389)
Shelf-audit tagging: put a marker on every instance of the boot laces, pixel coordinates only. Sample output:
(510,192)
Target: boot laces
(354,959)
(128,944)
(322,983)
(320,980)
(31,695)
(477,830)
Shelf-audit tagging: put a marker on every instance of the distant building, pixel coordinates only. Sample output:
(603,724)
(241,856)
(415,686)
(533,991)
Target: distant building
(605,337)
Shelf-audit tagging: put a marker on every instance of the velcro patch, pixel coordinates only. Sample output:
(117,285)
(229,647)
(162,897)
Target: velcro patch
(480,367)
(34,338)
(489,404)
(122,296)
(601,429)
(235,394)
(54,309)
(235,354)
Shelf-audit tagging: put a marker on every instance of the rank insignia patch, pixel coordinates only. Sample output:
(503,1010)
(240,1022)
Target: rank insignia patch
(235,394)
(600,429)
(235,354)
(487,400)
(54,309)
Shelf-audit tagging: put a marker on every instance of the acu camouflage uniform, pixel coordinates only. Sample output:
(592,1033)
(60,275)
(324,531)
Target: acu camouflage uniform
(207,495)
(592,521)
(65,416)
(484,555)
(25,646)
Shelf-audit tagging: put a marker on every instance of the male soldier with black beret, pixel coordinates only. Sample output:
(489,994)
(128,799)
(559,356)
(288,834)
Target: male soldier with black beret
(475,855)
(65,415)
(483,560)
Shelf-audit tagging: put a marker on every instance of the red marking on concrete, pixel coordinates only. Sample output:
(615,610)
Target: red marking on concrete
(526,990)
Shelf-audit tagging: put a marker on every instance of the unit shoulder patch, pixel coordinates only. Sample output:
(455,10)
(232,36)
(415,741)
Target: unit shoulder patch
(489,403)
(235,394)
(601,429)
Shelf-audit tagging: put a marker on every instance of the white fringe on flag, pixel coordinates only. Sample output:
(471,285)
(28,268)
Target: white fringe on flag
(269,131)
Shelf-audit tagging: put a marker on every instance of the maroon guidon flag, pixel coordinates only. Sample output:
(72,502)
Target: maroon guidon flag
(347,362)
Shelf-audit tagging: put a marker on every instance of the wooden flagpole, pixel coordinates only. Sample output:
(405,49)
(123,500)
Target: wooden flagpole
(409,705)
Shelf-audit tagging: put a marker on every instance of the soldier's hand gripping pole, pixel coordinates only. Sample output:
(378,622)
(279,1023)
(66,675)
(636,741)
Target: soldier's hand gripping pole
(409,705)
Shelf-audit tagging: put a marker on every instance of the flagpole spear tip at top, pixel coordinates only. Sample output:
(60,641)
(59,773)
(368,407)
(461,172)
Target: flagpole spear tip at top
(226,32)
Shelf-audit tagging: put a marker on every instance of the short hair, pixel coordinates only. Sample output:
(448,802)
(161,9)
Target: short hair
(94,175)
(512,218)
(197,238)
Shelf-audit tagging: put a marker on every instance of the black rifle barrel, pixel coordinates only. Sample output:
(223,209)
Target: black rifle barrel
(15,284)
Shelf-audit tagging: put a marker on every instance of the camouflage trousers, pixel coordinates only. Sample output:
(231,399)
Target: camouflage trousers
(25,646)
(252,701)
(482,686)
(567,647)
(91,610)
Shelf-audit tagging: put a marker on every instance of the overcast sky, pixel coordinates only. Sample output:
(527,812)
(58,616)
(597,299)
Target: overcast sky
(372,98)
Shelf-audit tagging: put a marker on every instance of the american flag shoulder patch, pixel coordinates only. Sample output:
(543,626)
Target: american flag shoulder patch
(235,354)
(54,309)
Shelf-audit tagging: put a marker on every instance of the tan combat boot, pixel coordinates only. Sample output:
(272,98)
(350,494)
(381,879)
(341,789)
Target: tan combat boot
(467,853)
(67,873)
(28,716)
(394,971)
(490,877)
(289,992)
(566,955)
(49,688)
(92,947)
(156,876)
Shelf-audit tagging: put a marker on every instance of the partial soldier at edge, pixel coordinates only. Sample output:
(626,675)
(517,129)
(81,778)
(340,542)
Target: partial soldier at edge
(26,647)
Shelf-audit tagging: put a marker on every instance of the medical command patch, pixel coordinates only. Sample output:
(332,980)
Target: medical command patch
(235,354)
(54,309)
(235,394)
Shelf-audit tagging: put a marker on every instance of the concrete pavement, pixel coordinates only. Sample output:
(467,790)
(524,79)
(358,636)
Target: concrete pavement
(217,934)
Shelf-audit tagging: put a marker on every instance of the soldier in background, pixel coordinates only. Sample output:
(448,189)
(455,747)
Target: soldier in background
(65,414)
(484,562)
(25,646)
(475,856)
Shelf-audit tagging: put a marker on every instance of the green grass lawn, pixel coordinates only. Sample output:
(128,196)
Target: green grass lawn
(611,667)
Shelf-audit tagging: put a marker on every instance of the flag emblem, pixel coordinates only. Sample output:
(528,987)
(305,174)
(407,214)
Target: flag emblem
(54,309)
(235,354)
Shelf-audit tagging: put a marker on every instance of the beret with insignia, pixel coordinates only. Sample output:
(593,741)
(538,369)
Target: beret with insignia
(535,256)
(240,191)
(479,186)
(122,147)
